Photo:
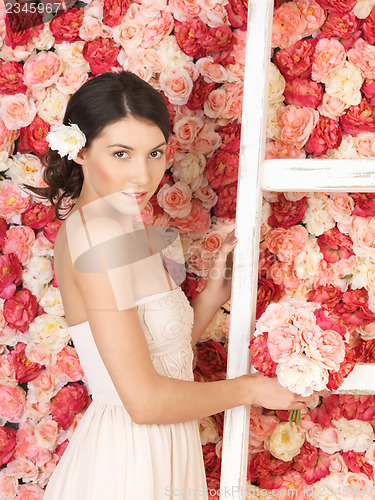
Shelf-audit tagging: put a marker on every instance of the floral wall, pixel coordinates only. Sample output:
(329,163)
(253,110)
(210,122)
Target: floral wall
(316,296)
(193,53)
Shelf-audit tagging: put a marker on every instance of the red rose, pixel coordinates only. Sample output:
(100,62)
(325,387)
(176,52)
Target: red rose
(365,351)
(199,93)
(20,310)
(360,118)
(212,465)
(354,308)
(33,137)
(69,401)
(312,463)
(286,213)
(260,356)
(362,408)
(65,26)
(320,414)
(303,92)
(222,169)
(296,61)
(102,55)
(10,274)
(356,462)
(327,319)
(190,286)
(37,215)
(267,470)
(212,358)
(365,204)
(368,88)
(8,440)
(114,11)
(11,78)
(59,450)
(368,28)
(328,296)
(189,35)
(237,13)
(340,6)
(268,292)
(326,135)
(3,230)
(340,25)
(220,39)
(231,137)
(17,29)
(24,369)
(51,229)
(347,366)
(335,245)
(227,202)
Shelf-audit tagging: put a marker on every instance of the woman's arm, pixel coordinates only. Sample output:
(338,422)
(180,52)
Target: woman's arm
(204,310)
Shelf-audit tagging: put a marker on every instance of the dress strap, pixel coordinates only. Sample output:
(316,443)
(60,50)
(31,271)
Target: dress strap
(149,245)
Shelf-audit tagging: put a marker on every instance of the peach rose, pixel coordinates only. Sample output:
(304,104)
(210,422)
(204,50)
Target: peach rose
(288,25)
(206,196)
(363,236)
(358,485)
(186,129)
(183,10)
(196,224)
(332,107)
(283,274)
(280,149)
(313,13)
(275,315)
(8,485)
(362,55)
(7,138)
(327,439)
(47,433)
(337,463)
(283,342)
(176,85)
(233,105)
(176,199)
(90,28)
(44,387)
(326,347)
(67,366)
(18,240)
(297,123)
(286,243)
(13,201)
(215,103)
(329,56)
(30,492)
(23,468)
(16,111)
(364,144)
(157,29)
(211,71)
(340,206)
(42,69)
(260,426)
(71,80)
(128,34)
(150,59)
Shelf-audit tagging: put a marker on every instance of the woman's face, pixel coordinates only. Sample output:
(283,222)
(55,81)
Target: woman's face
(128,157)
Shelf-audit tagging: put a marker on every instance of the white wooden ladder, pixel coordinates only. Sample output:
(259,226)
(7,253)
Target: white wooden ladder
(257,175)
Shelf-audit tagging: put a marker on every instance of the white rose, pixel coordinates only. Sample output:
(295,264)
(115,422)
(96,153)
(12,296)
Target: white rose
(302,375)
(275,315)
(36,274)
(71,55)
(357,434)
(362,8)
(170,53)
(52,108)
(273,123)
(208,430)
(25,168)
(345,84)
(326,488)
(49,331)
(66,139)
(306,263)
(42,40)
(189,168)
(51,301)
(276,85)
(317,216)
(286,441)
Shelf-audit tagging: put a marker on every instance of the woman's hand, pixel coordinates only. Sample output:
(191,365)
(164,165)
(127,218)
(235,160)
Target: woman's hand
(219,280)
(267,392)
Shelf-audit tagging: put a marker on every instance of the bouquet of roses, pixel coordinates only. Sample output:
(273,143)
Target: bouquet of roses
(289,344)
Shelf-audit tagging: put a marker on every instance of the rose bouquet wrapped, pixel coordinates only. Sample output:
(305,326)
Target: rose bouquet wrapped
(289,344)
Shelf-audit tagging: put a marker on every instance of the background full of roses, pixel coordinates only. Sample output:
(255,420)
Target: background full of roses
(314,247)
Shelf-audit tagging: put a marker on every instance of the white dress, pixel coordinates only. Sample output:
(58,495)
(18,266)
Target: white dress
(109,457)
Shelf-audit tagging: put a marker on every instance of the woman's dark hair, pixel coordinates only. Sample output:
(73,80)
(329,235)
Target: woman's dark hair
(100,101)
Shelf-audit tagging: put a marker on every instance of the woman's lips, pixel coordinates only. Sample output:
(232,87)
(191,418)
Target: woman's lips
(137,199)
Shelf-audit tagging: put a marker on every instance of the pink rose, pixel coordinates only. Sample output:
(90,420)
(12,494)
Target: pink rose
(260,355)
(284,274)
(198,221)
(19,240)
(286,243)
(329,56)
(324,346)
(358,483)
(17,111)
(208,140)
(157,29)
(332,106)
(283,342)
(337,464)
(129,34)
(335,245)
(222,169)
(186,129)
(328,439)
(71,80)
(303,92)
(326,135)
(211,71)
(368,28)
(215,103)
(11,78)
(42,69)
(296,60)
(184,10)
(30,492)
(364,144)
(13,201)
(176,199)
(233,106)
(9,442)
(362,55)
(260,426)
(90,28)
(363,236)
(360,118)
(340,205)
(297,123)
(340,6)
(288,25)
(176,85)
(7,138)
(12,401)
(313,13)
(67,366)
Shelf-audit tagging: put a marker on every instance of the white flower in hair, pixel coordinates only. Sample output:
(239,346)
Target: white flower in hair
(66,139)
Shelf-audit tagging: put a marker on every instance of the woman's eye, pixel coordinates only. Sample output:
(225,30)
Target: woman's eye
(121,153)
(157,154)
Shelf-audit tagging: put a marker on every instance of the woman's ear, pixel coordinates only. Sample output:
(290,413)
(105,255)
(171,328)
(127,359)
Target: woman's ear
(81,157)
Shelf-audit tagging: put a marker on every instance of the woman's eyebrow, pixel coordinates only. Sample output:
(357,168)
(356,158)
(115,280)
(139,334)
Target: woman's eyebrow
(132,149)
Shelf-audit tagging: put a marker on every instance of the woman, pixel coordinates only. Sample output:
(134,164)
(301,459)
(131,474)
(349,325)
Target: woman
(131,324)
